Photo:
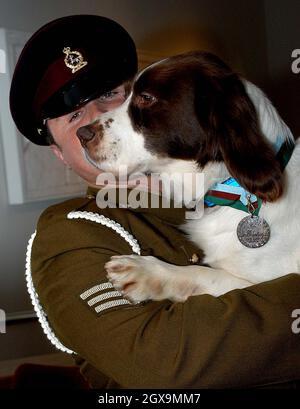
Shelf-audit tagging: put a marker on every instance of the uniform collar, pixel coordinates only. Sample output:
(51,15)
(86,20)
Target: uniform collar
(170,215)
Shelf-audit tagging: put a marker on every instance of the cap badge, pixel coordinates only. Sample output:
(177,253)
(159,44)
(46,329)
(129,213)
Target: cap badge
(73,59)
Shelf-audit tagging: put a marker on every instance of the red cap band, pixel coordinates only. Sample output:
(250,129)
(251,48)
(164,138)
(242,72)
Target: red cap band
(55,78)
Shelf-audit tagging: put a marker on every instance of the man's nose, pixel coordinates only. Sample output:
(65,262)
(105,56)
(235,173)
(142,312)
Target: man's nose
(85,134)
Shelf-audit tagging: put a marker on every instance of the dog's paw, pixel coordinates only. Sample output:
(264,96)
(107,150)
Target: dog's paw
(139,278)
(142,278)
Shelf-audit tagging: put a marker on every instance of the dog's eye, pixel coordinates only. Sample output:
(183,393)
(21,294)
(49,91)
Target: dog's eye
(145,99)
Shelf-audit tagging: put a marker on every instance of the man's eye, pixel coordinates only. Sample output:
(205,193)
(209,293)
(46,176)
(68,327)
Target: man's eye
(108,95)
(75,116)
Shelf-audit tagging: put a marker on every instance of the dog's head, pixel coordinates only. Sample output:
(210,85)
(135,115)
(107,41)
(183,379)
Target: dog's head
(190,107)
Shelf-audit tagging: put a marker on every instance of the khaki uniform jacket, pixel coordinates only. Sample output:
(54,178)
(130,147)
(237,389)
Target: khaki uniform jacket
(241,339)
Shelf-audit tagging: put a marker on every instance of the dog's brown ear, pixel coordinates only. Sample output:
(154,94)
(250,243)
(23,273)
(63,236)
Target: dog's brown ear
(234,136)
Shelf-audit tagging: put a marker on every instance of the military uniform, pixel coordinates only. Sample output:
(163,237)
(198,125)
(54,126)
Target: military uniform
(240,339)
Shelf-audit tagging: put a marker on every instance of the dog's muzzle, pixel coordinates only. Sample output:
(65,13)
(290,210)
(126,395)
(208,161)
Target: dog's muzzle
(85,134)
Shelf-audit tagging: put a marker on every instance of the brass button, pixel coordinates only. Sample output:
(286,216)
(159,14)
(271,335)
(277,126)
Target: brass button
(194,259)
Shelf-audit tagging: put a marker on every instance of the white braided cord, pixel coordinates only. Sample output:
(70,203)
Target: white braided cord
(42,317)
(99,218)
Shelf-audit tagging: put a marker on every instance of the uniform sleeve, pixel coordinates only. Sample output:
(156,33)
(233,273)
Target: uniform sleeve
(241,339)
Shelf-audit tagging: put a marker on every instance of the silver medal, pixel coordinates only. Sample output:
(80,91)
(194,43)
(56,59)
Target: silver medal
(253,231)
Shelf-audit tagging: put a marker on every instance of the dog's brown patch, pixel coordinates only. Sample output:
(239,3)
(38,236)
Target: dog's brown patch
(119,268)
(108,122)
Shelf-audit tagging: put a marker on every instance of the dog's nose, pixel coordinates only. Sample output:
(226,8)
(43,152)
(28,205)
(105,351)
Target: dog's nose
(85,134)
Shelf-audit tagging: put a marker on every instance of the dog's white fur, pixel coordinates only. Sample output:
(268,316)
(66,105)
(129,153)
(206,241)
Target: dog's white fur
(232,264)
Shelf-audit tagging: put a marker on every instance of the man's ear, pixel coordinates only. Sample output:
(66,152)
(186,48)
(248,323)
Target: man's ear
(58,153)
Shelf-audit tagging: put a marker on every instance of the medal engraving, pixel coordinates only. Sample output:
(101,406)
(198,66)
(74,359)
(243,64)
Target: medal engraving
(253,231)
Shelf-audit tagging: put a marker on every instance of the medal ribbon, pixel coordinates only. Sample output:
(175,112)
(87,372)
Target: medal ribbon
(231,193)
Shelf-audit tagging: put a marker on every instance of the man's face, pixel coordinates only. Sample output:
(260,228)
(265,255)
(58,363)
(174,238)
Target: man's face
(64,129)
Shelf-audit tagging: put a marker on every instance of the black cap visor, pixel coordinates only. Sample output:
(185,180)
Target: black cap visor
(85,89)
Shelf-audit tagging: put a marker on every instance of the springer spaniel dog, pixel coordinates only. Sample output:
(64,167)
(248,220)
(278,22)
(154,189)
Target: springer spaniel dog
(192,113)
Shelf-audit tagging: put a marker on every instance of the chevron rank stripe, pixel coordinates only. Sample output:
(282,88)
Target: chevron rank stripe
(103,296)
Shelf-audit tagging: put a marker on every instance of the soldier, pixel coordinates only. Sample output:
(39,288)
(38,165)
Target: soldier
(69,72)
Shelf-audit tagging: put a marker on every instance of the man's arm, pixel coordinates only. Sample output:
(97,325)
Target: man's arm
(241,339)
